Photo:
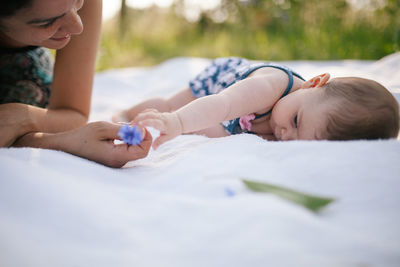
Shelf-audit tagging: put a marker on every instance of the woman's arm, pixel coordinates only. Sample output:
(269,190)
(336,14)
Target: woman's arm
(18,119)
(75,65)
(71,88)
(94,141)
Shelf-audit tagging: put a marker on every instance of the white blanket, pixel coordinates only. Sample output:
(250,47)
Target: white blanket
(185,204)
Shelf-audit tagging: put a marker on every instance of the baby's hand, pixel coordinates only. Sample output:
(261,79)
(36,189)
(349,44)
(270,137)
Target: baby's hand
(168,123)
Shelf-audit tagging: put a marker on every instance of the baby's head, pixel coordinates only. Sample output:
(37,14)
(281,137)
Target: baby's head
(363,109)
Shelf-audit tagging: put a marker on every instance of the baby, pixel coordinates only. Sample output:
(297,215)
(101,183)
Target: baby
(233,96)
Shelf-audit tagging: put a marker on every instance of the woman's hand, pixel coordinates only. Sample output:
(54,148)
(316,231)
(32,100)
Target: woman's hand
(168,123)
(14,121)
(94,141)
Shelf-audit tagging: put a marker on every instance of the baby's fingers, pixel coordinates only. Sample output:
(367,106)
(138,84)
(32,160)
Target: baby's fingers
(120,117)
(147,114)
(150,110)
(155,123)
(160,140)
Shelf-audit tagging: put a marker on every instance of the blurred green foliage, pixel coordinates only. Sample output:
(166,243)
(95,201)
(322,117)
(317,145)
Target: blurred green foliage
(255,29)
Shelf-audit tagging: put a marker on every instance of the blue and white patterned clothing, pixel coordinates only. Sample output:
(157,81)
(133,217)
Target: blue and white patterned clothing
(224,72)
(26,76)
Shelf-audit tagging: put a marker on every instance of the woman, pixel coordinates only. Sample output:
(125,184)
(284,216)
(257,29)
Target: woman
(31,114)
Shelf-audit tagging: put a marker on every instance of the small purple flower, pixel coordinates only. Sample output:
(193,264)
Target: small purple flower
(229,192)
(130,135)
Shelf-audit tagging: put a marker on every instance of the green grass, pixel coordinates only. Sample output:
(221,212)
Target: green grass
(295,29)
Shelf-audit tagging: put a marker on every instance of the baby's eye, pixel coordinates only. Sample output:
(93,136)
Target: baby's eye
(295,121)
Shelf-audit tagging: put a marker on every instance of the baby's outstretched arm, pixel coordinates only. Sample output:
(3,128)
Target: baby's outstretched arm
(176,101)
(168,123)
(244,97)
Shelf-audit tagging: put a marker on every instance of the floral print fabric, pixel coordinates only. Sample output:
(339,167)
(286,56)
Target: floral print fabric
(26,77)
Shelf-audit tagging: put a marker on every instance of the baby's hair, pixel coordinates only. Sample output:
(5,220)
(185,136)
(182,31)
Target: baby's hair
(365,110)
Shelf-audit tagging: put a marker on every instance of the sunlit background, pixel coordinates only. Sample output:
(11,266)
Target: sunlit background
(193,7)
(147,32)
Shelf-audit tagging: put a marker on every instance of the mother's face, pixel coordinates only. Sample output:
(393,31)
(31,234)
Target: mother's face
(47,23)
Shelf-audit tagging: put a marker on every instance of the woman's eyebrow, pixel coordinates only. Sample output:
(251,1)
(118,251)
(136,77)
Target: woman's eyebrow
(38,21)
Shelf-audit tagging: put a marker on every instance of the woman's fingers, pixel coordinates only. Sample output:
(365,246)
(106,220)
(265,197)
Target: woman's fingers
(141,150)
(120,154)
(147,140)
(105,130)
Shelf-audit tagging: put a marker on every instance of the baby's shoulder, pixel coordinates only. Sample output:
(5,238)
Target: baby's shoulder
(277,76)
(266,71)
(270,77)
(272,74)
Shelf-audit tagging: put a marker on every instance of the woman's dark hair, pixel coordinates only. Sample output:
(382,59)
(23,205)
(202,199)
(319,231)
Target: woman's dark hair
(9,8)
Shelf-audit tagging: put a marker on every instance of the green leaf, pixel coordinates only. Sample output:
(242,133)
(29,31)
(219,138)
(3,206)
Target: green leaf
(311,202)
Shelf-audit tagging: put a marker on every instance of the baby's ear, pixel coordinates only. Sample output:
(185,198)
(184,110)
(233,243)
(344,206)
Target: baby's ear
(317,81)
